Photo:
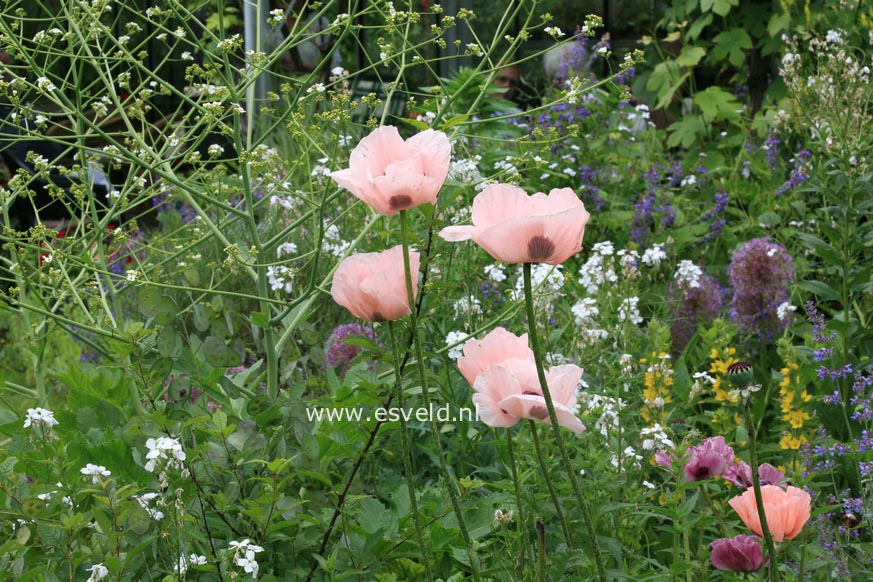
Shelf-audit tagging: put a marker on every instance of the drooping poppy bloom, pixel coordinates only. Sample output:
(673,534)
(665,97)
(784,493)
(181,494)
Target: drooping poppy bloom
(373,285)
(739,554)
(516,228)
(496,347)
(391,174)
(502,371)
(740,474)
(787,510)
(707,459)
(509,392)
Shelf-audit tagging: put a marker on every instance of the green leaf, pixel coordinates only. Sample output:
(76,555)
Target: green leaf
(731,43)
(697,27)
(201,317)
(778,22)
(6,467)
(218,354)
(717,104)
(720,7)
(820,289)
(690,56)
(685,131)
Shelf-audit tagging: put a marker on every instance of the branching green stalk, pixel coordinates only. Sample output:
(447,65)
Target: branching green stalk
(759,500)
(451,483)
(584,506)
(406,451)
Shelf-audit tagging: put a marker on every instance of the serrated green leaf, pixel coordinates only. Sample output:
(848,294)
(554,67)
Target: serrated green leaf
(731,44)
(6,467)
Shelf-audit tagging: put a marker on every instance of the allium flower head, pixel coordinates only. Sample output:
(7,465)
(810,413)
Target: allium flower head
(708,459)
(760,273)
(738,554)
(337,352)
(693,305)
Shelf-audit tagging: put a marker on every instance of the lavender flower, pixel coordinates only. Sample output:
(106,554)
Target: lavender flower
(739,554)
(760,272)
(798,175)
(338,352)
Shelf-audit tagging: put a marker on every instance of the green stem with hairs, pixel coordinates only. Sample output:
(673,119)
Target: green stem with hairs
(522,524)
(407,449)
(550,486)
(584,506)
(451,483)
(759,500)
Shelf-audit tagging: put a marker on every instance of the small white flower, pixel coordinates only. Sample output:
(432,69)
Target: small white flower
(689,180)
(554,31)
(317,87)
(44,84)
(288,248)
(187,56)
(215,150)
(338,72)
(467,306)
(131,276)
(785,310)
(456,337)
(144,500)
(281,278)
(164,452)
(495,272)
(98,573)
(654,255)
(688,274)
(95,471)
(40,416)
(628,310)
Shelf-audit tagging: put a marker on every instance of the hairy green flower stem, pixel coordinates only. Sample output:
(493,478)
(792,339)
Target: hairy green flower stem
(759,500)
(550,486)
(522,524)
(435,433)
(406,449)
(556,429)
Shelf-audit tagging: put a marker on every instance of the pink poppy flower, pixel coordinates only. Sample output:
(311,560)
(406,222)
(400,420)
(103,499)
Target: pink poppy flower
(707,459)
(390,174)
(738,554)
(787,510)
(510,391)
(373,285)
(496,347)
(516,228)
(740,474)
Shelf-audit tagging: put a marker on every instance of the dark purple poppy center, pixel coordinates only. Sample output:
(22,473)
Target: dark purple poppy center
(540,248)
(399,202)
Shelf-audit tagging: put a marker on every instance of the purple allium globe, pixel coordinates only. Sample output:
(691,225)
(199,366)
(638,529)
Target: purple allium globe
(738,554)
(340,354)
(760,273)
(693,305)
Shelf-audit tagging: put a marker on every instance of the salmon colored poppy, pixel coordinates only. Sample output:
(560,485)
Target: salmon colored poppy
(516,228)
(373,285)
(787,510)
(391,174)
(497,346)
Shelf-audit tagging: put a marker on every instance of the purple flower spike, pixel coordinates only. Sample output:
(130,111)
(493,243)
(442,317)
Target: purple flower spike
(739,554)
(339,353)
(708,459)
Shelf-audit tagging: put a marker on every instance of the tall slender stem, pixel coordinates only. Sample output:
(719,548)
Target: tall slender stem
(522,523)
(759,500)
(550,486)
(407,449)
(452,485)
(556,429)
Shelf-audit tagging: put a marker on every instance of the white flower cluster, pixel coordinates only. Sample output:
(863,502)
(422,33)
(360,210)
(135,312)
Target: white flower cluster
(629,454)
(585,313)
(244,556)
(98,573)
(629,310)
(95,472)
(333,242)
(655,438)
(144,501)
(784,310)
(466,306)
(688,274)
(466,171)
(653,255)
(607,407)
(456,337)
(187,562)
(40,417)
(546,282)
(597,270)
(495,272)
(164,453)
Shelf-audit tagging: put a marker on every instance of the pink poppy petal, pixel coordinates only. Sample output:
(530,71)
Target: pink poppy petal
(491,387)
(403,191)
(497,346)
(563,384)
(497,203)
(534,408)
(435,151)
(458,233)
(381,147)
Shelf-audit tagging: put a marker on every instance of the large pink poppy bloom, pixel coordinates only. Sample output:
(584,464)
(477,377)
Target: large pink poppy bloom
(787,510)
(496,347)
(390,174)
(373,285)
(510,391)
(739,554)
(516,228)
